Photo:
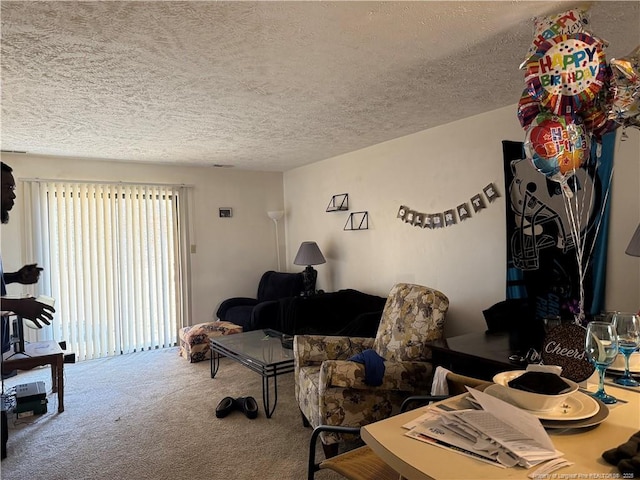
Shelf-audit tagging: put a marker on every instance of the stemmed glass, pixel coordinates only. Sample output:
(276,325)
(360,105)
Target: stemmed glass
(601,347)
(627,326)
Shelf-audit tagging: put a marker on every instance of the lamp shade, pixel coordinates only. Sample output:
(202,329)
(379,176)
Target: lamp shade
(309,254)
(275,215)
(634,245)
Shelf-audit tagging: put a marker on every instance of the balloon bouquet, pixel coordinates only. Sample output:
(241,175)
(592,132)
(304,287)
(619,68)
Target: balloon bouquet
(573,97)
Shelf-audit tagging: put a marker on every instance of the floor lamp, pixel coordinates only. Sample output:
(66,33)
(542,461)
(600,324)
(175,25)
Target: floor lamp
(276,215)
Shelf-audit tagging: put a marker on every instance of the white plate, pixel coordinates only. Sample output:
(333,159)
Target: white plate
(577,406)
(597,419)
(618,363)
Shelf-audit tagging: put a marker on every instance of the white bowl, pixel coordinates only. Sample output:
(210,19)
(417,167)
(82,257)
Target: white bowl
(538,402)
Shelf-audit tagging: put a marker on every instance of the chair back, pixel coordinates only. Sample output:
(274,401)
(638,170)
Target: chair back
(457,383)
(276,285)
(412,316)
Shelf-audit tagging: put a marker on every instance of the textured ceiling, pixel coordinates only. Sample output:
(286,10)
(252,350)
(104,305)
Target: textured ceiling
(261,85)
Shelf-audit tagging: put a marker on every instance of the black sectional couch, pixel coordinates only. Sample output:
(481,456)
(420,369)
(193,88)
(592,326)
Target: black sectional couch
(249,313)
(345,312)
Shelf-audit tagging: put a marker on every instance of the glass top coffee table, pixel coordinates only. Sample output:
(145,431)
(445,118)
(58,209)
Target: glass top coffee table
(260,351)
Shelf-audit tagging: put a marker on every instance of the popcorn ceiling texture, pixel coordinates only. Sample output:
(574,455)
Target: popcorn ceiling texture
(261,85)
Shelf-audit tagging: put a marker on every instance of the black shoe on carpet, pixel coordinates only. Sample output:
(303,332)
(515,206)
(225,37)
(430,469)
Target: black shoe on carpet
(225,407)
(249,406)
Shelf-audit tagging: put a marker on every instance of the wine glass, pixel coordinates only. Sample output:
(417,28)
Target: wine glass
(628,329)
(601,347)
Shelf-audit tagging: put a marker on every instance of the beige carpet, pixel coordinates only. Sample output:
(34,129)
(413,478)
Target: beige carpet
(151,416)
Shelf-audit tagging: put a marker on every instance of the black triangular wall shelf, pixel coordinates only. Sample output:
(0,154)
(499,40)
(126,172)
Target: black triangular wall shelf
(339,203)
(357,221)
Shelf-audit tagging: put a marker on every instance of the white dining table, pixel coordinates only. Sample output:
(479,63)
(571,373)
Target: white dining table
(416,460)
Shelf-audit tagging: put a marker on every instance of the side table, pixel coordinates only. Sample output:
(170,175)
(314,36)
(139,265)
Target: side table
(38,354)
(5,427)
(478,354)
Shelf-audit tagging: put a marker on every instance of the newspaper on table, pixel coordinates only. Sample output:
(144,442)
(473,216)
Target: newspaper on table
(499,433)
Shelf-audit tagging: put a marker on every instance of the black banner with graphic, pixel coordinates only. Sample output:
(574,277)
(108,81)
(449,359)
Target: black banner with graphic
(542,264)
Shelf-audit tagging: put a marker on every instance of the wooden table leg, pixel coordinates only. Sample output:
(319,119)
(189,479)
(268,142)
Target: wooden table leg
(54,376)
(60,382)
(5,432)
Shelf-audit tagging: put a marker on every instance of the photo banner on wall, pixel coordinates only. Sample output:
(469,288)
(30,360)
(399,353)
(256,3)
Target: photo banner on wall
(450,216)
(542,264)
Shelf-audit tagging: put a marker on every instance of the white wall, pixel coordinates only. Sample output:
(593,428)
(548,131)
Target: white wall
(623,271)
(231,253)
(432,171)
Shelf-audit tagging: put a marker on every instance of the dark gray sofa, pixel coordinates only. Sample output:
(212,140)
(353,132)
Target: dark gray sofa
(345,312)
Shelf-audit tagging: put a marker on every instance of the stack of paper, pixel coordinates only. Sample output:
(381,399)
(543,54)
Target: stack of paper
(500,433)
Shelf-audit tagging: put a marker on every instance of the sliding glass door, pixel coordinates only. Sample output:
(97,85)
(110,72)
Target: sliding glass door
(113,257)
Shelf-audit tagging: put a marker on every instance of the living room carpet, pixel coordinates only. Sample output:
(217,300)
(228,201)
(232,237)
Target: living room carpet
(151,416)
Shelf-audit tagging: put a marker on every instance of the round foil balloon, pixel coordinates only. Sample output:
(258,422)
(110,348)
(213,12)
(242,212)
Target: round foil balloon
(595,118)
(557,145)
(566,73)
(596,121)
(528,109)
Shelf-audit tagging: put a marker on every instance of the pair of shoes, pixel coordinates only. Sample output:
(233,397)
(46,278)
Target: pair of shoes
(248,405)
(225,407)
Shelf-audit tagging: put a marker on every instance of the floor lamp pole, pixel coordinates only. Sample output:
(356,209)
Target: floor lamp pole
(277,243)
(275,216)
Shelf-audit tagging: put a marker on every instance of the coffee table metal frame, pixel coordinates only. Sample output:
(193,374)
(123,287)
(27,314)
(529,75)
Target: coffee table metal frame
(231,346)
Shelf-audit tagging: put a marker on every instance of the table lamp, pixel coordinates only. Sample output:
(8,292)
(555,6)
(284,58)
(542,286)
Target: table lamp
(309,254)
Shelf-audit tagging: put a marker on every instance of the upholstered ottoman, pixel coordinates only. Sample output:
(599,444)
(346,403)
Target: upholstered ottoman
(194,340)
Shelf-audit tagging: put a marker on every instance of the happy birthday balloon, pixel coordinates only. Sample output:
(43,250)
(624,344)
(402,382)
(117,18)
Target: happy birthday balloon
(595,118)
(625,87)
(528,109)
(557,145)
(566,73)
(547,27)
(597,122)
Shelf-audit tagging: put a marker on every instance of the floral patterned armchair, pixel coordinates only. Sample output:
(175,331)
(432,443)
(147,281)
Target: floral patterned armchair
(331,390)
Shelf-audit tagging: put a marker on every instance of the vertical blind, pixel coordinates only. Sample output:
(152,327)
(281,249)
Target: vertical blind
(112,257)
